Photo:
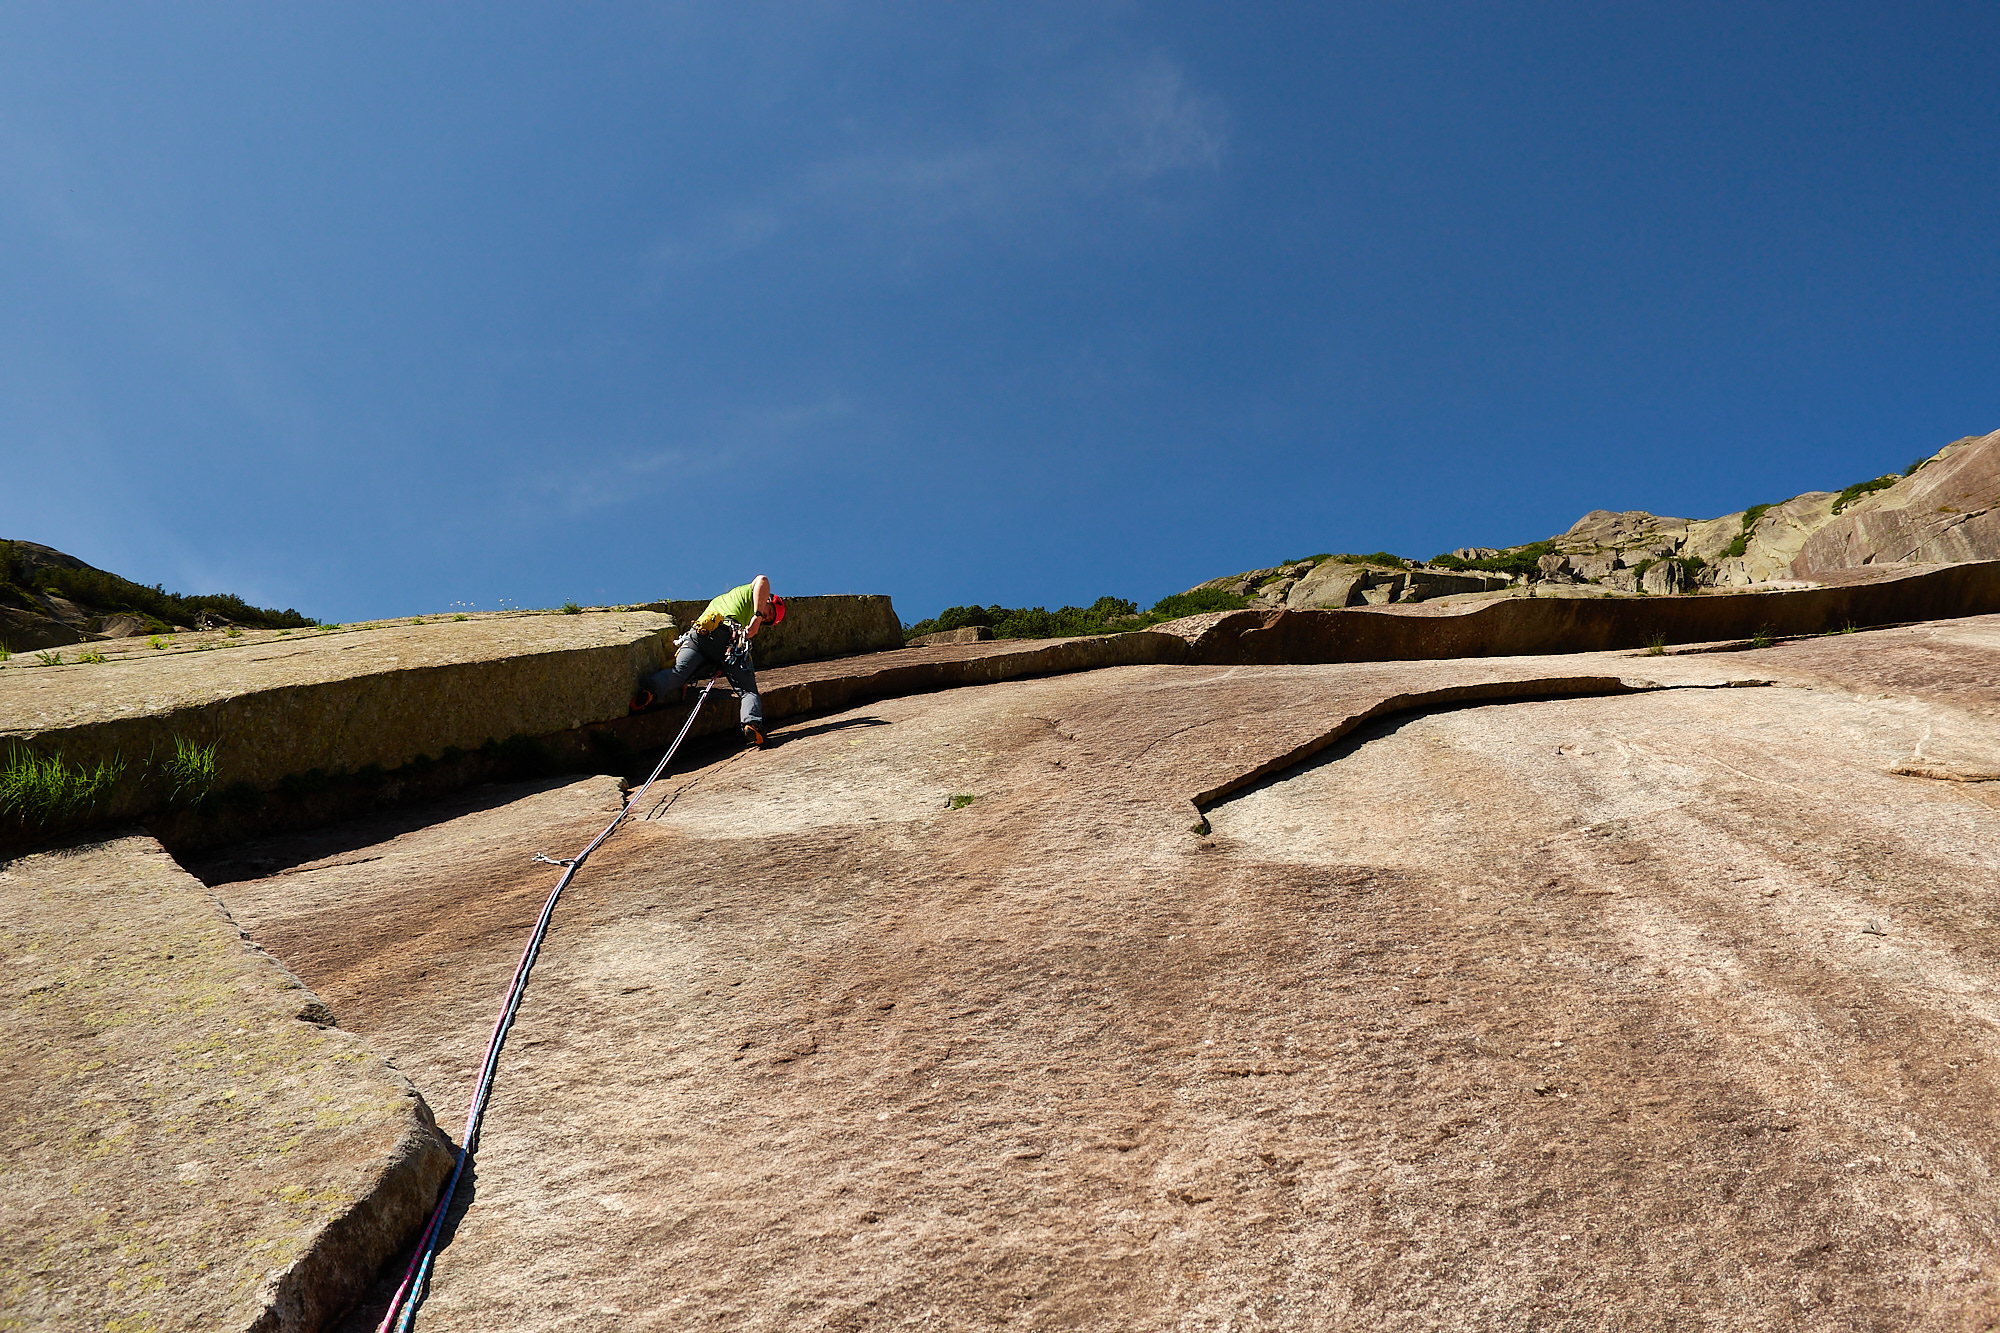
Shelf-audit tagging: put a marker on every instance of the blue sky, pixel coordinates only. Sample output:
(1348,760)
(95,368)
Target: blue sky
(372,309)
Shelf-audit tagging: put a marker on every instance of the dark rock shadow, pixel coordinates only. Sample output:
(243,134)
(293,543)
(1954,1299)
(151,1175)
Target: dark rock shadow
(840,724)
(262,857)
(366,1316)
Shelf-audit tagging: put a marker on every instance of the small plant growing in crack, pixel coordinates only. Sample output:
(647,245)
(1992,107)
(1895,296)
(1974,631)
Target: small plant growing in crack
(962,799)
(191,771)
(1656,646)
(1763,638)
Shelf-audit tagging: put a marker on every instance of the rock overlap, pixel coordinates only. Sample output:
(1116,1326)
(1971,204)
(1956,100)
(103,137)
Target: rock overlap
(191,1145)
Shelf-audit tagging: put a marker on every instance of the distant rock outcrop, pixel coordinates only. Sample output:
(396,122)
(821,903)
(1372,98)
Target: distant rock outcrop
(1948,509)
(49,599)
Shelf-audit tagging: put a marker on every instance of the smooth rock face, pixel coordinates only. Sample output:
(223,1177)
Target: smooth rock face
(189,1145)
(1949,509)
(964,634)
(121,627)
(1331,585)
(1775,540)
(1677,994)
(1634,528)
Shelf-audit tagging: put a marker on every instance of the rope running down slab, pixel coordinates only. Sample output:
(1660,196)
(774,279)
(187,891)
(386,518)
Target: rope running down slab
(403,1305)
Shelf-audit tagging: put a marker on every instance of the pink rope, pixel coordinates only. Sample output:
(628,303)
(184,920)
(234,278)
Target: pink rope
(403,1305)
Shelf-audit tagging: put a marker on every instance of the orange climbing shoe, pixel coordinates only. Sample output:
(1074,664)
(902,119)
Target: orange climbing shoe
(752,736)
(642,700)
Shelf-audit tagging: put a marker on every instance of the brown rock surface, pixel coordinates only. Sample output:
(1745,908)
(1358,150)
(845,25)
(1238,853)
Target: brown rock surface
(188,1145)
(1569,1013)
(1949,509)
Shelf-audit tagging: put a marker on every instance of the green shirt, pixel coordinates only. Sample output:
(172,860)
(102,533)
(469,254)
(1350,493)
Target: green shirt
(739,604)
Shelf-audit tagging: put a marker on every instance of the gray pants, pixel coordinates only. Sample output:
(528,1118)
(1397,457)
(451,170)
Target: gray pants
(701,654)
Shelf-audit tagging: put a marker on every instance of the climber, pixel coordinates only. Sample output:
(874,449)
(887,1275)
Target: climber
(720,640)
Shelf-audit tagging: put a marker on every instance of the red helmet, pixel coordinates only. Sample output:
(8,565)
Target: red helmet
(777,609)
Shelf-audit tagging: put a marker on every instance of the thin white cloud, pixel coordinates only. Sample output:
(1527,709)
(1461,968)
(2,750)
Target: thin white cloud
(1101,134)
(734,442)
(1108,134)
(720,235)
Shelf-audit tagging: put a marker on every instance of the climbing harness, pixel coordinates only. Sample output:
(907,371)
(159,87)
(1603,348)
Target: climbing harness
(403,1305)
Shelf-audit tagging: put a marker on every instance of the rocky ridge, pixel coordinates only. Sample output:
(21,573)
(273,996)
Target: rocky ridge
(49,599)
(1946,508)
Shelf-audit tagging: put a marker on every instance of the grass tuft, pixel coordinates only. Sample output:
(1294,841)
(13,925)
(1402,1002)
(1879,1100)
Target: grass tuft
(461,616)
(93,657)
(50,658)
(38,791)
(191,771)
(1656,646)
(1763,638)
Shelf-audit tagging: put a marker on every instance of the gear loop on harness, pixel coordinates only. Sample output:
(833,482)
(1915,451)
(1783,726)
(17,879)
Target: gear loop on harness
(416,1279)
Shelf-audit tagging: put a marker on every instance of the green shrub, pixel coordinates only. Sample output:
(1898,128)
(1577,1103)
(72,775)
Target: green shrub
(1383,558)
(232,633)
(1199,602)
(1656,646)
(1861,488)
(461,616)
(571,609)
(1106,615)
(1916,463)
(962,799)
(93,657)
(1751,517)
(1518,560)
(156,642)
(38,791)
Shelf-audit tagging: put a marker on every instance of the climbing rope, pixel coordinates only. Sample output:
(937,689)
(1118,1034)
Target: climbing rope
(403,1305)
